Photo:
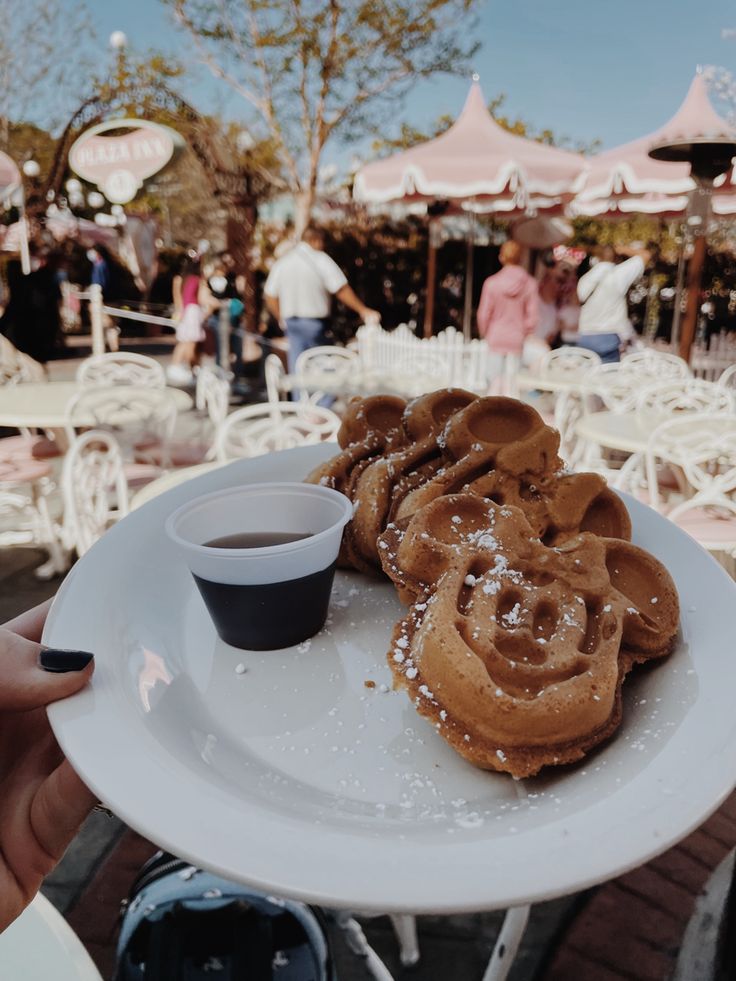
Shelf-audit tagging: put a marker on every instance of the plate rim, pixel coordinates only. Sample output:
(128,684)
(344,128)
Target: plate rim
(715,782)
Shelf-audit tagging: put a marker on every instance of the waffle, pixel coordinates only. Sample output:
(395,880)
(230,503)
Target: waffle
(382,460)
(517,651)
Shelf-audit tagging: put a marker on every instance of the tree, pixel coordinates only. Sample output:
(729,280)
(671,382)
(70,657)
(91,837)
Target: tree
(311,69)
(45,52)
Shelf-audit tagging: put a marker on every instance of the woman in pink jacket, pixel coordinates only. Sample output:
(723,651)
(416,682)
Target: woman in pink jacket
(508,313)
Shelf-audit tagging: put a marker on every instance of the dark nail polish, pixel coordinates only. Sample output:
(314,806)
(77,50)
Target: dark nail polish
(59,661)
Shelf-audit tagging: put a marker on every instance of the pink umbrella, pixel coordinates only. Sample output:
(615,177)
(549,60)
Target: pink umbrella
(476,158)
(480,166)
(628,171)
(9,175)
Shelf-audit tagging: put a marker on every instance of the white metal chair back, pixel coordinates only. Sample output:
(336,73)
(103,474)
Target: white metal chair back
(273,369)
(655,365)
(258,429)
(334,363)
(693,395)
(568,363)
(618,390)
(213,394)
(704,450)
(139,418)
(727,378)
(94,488)
(121,368)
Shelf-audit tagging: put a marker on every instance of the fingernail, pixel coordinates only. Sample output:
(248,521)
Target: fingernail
(59,661)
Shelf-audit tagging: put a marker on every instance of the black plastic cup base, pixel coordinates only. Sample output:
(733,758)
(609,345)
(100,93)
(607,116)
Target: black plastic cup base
(272,616)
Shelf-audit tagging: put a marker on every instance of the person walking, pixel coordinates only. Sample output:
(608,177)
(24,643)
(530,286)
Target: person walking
(299,292)
(508,313)
(193,302)
(604,325)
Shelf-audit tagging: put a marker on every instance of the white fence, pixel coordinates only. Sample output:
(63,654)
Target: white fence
(710,362)
(446,356)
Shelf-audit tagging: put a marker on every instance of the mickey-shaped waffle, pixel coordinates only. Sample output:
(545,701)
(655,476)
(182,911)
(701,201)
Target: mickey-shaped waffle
(383,460)
(517,651)
(501,449)
(370,427)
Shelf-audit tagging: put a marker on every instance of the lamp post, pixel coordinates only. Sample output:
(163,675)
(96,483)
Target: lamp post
(708,157)
(31,169)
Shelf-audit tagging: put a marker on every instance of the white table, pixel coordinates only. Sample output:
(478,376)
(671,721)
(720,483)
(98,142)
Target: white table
(169,480)
(363,382)
(43,405)
(626,431)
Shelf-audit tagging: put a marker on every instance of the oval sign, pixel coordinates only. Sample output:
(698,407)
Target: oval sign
(119,165)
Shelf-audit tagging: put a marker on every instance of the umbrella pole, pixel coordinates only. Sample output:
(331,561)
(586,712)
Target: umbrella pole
(694,278)
(25,252)
(431,277)
(677,313)
(469,256)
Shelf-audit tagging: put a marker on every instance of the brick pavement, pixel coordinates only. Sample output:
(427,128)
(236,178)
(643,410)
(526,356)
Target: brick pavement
(629,929)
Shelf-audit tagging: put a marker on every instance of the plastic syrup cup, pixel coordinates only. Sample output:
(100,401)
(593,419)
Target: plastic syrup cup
(272,596)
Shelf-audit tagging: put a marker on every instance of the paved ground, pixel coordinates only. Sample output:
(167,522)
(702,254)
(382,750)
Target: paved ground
(630,929)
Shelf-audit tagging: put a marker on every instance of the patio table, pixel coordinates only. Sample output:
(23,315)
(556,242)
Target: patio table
(43,405)
(171,479)
(362,381)
(627,431)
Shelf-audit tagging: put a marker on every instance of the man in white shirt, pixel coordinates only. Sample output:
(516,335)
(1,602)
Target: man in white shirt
(299,292)
(604,324)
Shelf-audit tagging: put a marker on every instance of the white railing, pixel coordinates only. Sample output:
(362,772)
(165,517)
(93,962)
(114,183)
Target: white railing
(447,355)
(98,309)
(709,362)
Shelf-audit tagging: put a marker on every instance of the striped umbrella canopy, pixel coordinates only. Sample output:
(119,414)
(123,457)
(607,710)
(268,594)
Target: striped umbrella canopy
(478,160)
(9,176)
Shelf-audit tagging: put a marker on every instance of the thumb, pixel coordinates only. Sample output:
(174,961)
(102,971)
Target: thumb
(32,676)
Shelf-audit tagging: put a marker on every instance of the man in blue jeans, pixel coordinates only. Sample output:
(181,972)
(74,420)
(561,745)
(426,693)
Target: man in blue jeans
(604,317)
(299,292)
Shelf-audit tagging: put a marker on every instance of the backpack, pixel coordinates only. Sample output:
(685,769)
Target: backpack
(183,924)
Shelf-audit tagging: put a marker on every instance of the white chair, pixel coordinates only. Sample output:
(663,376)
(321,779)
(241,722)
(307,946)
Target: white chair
(258,429)
(657,401)
(141,419)
(727,379)
(611,388)
(273,369)
(703,449)
(335,363)
(657,365)
(94,489)
(568,363)
(609,384)
(121,368)
(25,516)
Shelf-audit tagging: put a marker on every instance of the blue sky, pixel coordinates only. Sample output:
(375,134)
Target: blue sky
(583,68)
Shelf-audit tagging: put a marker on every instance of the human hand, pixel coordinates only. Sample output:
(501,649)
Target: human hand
(42,800)
(371,316)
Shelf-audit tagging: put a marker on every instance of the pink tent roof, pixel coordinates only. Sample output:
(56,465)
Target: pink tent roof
(475,158)
(656,204)
(629,170)
(9,175)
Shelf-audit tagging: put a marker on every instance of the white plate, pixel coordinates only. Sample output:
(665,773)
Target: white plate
(297,778)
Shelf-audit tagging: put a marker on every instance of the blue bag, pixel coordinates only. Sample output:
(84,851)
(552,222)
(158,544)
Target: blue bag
(183,923)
